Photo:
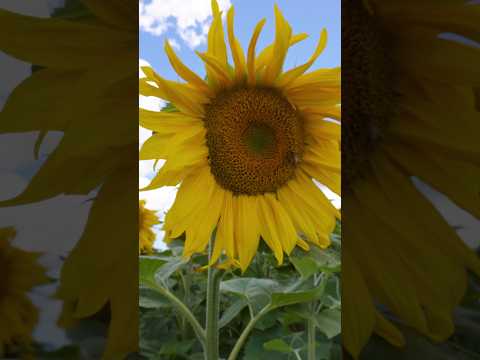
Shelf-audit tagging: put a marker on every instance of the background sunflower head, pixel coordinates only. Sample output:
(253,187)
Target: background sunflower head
(19,273)
(146,220)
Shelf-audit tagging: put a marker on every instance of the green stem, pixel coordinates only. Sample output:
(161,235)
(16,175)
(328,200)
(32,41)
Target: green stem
(213,309)
(311,339)
(187,314)
(246,332)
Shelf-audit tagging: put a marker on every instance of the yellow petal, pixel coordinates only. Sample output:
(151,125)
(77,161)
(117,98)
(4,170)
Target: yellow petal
(385,329)
(266,53)
(320,78)
(188,100)
(155,147)
(287,234)
(251,52)
(247,229)
(323,153)
(237,51)
(332,112)
(205,222)
(322,130)
(268,228)
(216,43)
(184,72)
(166,122)
(358,313)
(301,221)
(328,178)
(216,70)
(160,145)
(225,232)
(325,98)
(432,57)
(61,44)
(283,34)
(187,200)
(293,74)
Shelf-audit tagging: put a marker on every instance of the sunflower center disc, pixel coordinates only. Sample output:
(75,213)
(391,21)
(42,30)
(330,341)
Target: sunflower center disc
(367,96)
(254,138)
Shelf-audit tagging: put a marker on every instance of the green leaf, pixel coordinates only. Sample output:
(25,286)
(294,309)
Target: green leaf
(329,322)
(277,345)
(151,299)
(177,347)
(305,266)
(148,266)
(284,299)
(256,291)
(328,260)
(164,272)
(232,311)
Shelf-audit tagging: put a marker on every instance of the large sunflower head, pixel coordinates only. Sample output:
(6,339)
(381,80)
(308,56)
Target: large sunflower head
(248,145)
(19,273)
(410,110)
(146,219)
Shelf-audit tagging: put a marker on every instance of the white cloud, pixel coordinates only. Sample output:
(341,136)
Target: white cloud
(190,18)
(174,44)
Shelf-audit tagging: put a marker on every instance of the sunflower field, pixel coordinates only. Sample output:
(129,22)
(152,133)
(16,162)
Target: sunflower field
(268,310)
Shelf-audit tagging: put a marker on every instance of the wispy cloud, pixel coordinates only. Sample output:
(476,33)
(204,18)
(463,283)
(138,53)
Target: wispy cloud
(174,44)
(189,18)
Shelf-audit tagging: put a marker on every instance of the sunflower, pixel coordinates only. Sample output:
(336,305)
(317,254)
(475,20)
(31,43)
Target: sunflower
(19,273)
(409,110)
(147,218)
(95,109)
(247,146)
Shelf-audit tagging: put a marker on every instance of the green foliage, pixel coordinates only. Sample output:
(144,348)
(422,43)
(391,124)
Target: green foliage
(280,298)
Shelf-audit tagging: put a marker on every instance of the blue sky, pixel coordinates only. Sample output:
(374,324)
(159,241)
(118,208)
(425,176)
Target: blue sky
(308,16)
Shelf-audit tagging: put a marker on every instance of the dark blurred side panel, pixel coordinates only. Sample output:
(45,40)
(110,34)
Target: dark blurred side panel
(411,179)
(69,179)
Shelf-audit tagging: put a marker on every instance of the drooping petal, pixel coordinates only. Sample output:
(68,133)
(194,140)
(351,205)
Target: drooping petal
(302,221)
(204,223)
(187,201)
(268,229)
(287,234)
(247,230)
(224,240)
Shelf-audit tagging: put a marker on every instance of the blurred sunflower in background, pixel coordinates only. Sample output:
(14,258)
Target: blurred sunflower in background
(85,86)
(247,145)
(409,109)
(19,273)
(146,220)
